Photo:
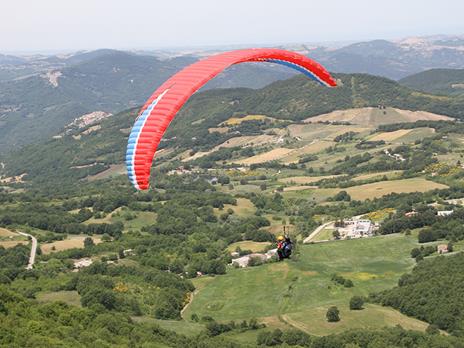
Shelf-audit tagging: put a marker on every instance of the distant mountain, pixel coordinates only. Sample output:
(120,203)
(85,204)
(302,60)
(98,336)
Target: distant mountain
(440,81)
(40,94)
(394,60)
(39,105)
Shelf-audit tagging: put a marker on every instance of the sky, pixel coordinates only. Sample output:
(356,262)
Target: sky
(61,25)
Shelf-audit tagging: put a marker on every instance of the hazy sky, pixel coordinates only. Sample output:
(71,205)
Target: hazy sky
(40,25)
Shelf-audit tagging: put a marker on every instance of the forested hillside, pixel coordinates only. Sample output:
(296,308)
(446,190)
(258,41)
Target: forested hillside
(439,81)
(432,292)
(238,168)
(37,105)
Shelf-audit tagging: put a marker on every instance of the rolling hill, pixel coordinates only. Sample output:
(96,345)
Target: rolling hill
(370,116)
(100,147)
(439,81)
(36,106)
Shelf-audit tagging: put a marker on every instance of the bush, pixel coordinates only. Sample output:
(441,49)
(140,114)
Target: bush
(333,314)
(356,303)
(273,338)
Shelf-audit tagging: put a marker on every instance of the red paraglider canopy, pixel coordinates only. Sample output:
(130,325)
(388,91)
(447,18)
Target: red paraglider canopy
(162,106)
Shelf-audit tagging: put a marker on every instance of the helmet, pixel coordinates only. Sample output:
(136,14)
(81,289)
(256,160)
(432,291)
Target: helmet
(280,238)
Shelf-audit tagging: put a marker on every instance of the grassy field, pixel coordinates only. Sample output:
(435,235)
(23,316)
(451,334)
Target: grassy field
(325,234)
(390,175)
(371,317)
(298,188)
(382,188)
(6,233)
(113,170)
(274,154)
(70,297)
(12,243)
(255,247)
(312,148)
(302,180)
(142,218)
(298,291)
(243,208)
(234,121)
(403,135)
(390,136)
(69,243)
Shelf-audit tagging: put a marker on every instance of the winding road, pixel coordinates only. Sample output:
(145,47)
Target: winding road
(30,265)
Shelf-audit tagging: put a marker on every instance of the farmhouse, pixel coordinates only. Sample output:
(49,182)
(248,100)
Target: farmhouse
(81,263)
(444,212)
(442,249)
(355,228)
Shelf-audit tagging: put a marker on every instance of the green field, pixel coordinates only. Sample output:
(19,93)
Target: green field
(325,234)
(381,188)
(296,291)
(138,220)
(70,297)
(243,208)
(255,247)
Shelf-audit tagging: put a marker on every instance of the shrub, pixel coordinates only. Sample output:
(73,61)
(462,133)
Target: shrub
(333,314)
(356,303)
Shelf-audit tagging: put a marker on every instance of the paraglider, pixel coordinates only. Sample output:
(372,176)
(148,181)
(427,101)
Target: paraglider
(159,110)
(284,247)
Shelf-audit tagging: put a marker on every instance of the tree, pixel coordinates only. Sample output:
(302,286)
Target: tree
(88,242)
(336,234)
(342,196)
(333,314)
(415,252)
(356,303)
(348,283)
(121,253)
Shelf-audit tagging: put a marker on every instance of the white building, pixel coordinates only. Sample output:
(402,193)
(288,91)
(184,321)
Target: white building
(355,228)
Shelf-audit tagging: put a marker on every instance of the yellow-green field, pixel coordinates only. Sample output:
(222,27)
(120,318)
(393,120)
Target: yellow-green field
(272,155)
(381,188)
(138,220)
(371,317)
(302,180)
(312,148)
(299,292)
(69,243)
(243,208)
(234,121)
(403,135)
(12,243)
(325,234)
(389,174)
(390,136)
(113,170)
(255,247)
(70,297)
(6,233)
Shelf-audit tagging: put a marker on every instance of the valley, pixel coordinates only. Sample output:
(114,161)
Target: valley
(231,175)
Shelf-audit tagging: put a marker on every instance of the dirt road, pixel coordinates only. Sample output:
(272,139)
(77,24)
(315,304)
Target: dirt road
(30,265)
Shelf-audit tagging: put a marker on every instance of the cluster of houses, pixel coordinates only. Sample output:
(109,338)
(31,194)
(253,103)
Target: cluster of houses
(396,156)
(357,228)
